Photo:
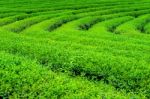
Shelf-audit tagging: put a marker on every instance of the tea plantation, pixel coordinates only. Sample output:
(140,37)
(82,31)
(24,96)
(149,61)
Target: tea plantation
(75,49)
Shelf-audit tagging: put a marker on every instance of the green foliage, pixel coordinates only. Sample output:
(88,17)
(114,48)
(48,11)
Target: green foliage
(85,49)
(23,78)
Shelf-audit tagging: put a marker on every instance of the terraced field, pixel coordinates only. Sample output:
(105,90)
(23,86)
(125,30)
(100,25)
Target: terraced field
(75,49)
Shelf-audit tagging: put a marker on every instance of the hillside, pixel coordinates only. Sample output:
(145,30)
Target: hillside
(75,49)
